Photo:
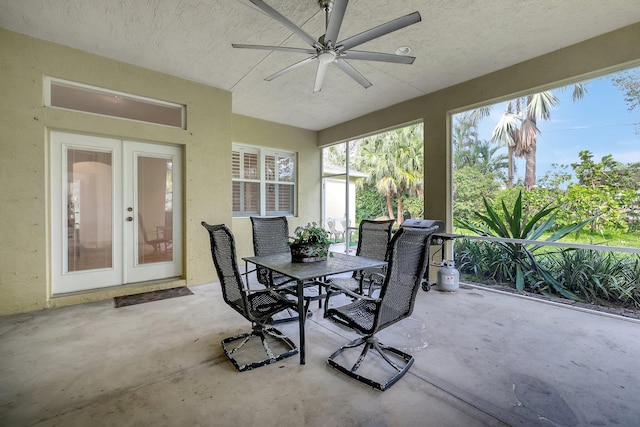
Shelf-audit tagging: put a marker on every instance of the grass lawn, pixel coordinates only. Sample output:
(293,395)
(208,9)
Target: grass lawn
(624,240)
(620,239)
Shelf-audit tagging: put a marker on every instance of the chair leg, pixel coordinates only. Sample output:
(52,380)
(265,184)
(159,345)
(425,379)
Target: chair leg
(371,343)
(329,294)
(258,332)
(244,337)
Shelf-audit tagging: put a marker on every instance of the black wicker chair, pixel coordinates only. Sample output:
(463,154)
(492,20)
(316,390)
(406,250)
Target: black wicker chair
(270,236)
(256,306)
(373,239)
(367,315)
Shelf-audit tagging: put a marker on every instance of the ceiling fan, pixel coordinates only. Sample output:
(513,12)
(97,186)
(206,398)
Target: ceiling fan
(327,50)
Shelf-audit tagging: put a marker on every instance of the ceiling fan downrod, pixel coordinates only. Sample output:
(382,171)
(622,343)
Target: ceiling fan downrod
(325,6)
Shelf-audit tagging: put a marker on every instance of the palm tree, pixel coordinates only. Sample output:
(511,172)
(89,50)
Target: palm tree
(465,127)
(518,130)
(486,160)
(394,162)
(464,136)
(469,150)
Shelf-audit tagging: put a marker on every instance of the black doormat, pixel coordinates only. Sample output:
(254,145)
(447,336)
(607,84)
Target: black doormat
(150,296)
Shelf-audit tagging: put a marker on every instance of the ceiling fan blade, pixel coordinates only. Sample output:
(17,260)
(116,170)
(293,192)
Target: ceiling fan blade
(352,72)
(284,21)
(291,68)
(279,48)
(322,71)
(335,21)
(379,31)
(375,56)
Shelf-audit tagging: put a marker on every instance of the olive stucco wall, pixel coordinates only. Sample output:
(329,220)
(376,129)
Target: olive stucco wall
(247,130)
(25,282)
(607,53)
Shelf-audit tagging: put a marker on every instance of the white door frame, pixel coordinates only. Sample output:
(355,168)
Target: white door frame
(124,268)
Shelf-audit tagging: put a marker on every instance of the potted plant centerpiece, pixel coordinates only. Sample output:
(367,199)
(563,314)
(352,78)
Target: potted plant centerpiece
(310,244)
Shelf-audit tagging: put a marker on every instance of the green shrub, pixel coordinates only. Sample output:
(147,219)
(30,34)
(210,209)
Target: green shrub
(598,277)
(516,262)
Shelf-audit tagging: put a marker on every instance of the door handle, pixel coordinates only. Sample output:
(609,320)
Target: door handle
(129,218)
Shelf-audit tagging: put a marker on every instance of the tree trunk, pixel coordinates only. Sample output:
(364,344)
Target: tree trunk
(400,216)
(389,206)
(530,168)
(510,167)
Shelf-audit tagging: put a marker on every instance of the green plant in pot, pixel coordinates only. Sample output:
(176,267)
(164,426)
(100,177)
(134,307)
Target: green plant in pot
(310,243)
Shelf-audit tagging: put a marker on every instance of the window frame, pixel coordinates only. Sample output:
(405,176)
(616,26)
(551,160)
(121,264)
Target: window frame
(265,183)
(100,101)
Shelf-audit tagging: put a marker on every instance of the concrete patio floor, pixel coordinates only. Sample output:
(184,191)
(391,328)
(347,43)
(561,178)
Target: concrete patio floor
(482,358)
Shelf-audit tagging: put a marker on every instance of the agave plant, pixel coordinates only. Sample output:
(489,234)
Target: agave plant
(518,263)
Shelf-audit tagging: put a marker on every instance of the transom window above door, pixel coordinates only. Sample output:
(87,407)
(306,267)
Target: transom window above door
(264,181)
(90,99)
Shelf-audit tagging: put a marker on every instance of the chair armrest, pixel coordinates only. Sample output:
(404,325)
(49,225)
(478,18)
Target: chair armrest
(290,285)
(284,286)
(246,276)
(281,287)
(378,277)
(342,290)
(259,291)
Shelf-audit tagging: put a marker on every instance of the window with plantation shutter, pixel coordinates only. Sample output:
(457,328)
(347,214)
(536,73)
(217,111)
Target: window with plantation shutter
(263,181)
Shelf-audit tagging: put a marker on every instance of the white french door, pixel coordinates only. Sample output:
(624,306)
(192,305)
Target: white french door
(115,212)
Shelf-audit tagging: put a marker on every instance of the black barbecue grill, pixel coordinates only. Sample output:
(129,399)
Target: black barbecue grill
(424,223)
(438,239)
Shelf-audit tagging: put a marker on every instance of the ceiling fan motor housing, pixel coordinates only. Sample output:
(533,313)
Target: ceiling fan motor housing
(326,5)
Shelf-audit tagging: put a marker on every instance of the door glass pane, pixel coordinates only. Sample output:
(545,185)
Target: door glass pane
(155,210)
(89,208)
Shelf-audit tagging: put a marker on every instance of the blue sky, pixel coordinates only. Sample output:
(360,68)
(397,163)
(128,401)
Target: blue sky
(599,122)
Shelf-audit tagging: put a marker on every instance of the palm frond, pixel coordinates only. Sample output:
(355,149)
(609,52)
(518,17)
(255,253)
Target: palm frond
(539,105)
(526,137)
(506,129)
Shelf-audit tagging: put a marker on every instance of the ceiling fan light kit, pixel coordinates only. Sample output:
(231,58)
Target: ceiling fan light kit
(327,57)
(326,50)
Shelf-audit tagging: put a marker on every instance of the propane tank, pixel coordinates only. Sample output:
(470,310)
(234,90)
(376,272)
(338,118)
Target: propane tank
(448,277)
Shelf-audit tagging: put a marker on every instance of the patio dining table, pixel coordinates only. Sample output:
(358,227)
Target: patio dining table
(302,272)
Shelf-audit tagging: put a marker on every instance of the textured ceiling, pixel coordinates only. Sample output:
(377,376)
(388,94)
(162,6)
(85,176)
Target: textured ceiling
(457,40)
